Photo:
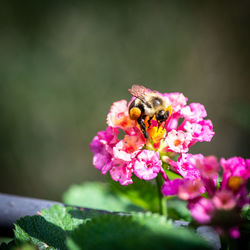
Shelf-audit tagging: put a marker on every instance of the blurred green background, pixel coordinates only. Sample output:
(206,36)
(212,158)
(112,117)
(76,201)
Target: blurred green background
(63,63)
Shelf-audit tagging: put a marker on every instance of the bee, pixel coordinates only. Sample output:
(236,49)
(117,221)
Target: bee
(147,104)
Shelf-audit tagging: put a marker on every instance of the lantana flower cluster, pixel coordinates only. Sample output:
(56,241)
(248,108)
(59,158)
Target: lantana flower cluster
(209,197)
(209,186)
(122,150)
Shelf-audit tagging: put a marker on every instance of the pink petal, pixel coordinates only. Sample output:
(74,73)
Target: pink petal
(194,112)
(234,232)
(178,141)
(202,210)
(147,165)
(121,172)
(171,187)
(118,116)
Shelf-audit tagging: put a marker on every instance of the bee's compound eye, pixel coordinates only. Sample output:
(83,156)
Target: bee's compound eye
(157,102)
(134,113)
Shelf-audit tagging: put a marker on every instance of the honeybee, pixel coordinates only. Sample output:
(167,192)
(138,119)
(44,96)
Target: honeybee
(147,104)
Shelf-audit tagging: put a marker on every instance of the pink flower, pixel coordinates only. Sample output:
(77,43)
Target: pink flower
(147,165)
(171,187)
(175,100)
(121,153)
(185,189)
(101,146)
(121,172)
(139,155)
(202,210)
(108,138)
(208,166)
(96,146)
(194,112)
(127,148)
(235,174)
(102,161)
(200,175)
(178,141)
(118,116)
(190,189)
(235,167)
(186,166)
(105,140)
(224,199)
(200,131)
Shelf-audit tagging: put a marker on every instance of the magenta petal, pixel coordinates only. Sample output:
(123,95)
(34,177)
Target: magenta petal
(190,189)
(171,187)
(234,166)
(234,232)
(102,162)
(186,166)
(201,131)
(96,146)
(201,210)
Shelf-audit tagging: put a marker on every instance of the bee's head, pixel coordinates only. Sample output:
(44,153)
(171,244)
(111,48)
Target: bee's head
(162,115)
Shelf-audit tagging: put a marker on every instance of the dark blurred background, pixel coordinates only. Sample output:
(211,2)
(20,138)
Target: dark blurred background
(63,63)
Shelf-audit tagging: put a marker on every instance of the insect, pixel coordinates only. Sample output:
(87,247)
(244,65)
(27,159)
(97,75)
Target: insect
(147,104)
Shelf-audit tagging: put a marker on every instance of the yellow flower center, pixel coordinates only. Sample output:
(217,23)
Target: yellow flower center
(156,134)
(177,142)
(235,182)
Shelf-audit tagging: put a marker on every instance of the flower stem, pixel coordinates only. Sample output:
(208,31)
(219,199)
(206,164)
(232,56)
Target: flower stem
(162,199)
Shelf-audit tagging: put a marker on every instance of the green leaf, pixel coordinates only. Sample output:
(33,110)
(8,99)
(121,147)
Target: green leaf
(245,213)
(219,180)
(177,209)
(61,217)
(7,245)
(172,175)
(141,193)
(13,246)
(138,231)
(51,227)
(99,196)
(5,240)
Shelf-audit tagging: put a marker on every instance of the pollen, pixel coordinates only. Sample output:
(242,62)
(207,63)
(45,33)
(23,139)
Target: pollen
(134,113)
(170,110)
(156,134)
(177,142)
(235,182)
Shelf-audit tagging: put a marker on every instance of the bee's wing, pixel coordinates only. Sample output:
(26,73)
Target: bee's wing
(140,92)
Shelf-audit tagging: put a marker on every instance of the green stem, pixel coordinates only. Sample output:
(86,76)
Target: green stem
(162,199)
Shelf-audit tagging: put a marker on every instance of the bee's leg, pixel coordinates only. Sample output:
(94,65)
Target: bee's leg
(140,120)
(164,124)
(149,121)
(166,115)
(158,124)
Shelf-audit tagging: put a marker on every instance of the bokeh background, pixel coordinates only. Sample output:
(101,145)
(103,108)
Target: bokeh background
(63,63)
